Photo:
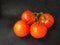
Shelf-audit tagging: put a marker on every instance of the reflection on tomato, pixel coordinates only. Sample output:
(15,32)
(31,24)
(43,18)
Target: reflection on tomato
(21,29)
(28,17)
(47,19)
(38,30)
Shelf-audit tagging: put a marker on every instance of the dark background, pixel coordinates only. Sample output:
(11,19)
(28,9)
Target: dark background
(10,12)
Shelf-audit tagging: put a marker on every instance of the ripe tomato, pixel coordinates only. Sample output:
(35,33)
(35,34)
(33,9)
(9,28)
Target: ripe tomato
(21,29)
(47,19)
(38,30)
(28,17)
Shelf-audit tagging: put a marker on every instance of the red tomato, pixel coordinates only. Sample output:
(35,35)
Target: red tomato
(28,17)
(21,29)
(47,19)
(38,30)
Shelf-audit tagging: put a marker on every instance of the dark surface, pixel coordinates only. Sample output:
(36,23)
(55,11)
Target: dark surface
(10,12)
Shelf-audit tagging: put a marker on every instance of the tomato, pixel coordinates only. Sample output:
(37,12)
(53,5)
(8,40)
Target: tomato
(21,29)
(47,19)
(28,16)
(38,30)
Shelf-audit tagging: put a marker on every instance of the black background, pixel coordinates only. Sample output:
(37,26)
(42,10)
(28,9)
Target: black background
(10,12)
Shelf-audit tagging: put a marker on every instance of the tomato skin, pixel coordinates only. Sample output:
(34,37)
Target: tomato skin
(27,17)
(49,22)
(21,29)
(38,30)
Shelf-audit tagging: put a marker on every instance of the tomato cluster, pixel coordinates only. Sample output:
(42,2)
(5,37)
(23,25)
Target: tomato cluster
(34,23)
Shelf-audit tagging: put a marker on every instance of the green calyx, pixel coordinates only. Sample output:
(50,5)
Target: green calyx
(45,18)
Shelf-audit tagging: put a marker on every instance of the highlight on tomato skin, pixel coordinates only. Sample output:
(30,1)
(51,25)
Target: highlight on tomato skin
(47,19)
(21,29)
(38,31)
(28,16)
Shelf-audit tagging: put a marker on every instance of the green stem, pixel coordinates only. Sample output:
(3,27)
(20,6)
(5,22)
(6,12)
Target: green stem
(37,15)
(41,13)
